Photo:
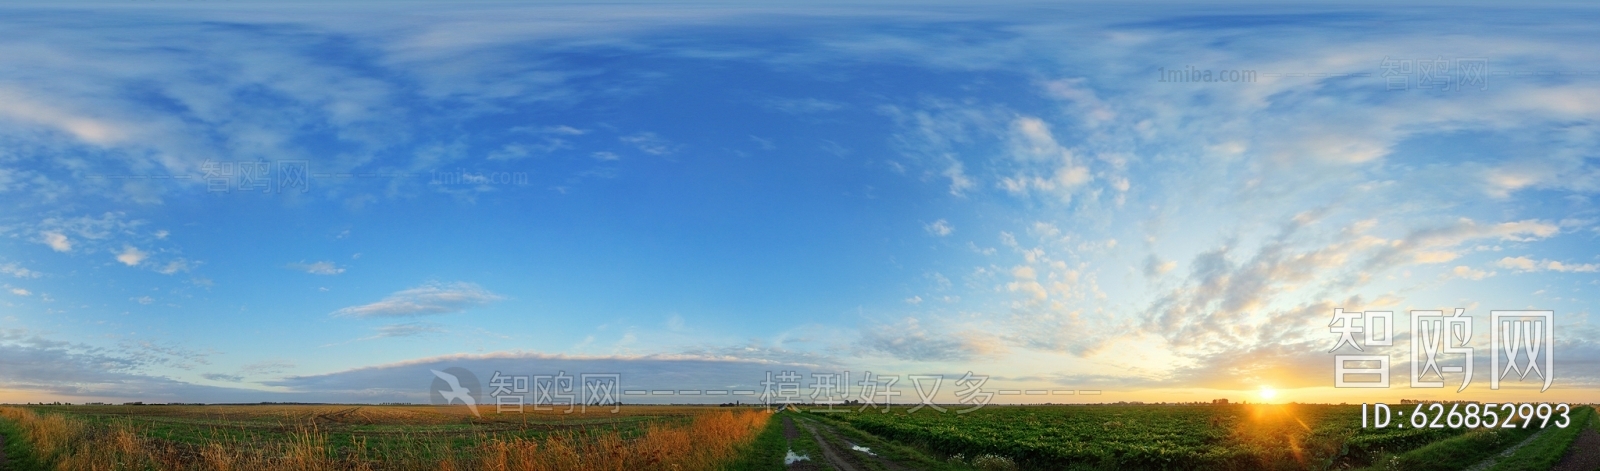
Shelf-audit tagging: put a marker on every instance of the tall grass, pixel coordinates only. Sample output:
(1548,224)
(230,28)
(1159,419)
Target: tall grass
(711,439)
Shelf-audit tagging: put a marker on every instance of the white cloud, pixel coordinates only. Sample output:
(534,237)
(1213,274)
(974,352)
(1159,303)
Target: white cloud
(981,250)
(518,150)
(175,266)
(428,299)
(146,300)
(698,371)
(1025,280)
(1561,267)
(649,143)
(959,183)
(1518,263)
(21,292)
(1438,256)
(1526,264)
(1044,164)
(1154,267)
(56,240)
(1470,273)
(57,368)
(1256,145)
(1036,142)
(802,105)
(1432,244)
(18,271)
(910,339)
(914,300)
(318,268)
(131,256)
(564,129)
(89,129)
(939,228)
(90,232)
(224,378)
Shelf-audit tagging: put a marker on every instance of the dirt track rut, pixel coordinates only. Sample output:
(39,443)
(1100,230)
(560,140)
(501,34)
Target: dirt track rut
(843,459)
(1584,453)
(791,433)
(839,459)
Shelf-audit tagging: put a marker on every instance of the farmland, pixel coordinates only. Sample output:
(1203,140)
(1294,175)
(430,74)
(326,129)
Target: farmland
(318,437)
(1205,437)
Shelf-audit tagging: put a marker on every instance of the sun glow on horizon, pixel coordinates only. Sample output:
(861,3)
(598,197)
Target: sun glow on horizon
(1268,393)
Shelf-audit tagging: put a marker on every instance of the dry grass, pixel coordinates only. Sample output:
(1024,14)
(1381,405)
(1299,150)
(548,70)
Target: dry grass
(711,438)
(397,414)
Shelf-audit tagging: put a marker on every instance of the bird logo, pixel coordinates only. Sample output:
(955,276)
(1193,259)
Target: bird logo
(456,384)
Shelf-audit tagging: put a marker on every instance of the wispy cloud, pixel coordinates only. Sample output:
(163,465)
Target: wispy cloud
(650,143)
(1525,264)
(1154,266)
(176,266)
(318,268)
(408,380)
(908,339)
(428,299)
(802,105)
(1249,209)
(1044,165)
(220,377)
(18,271)
(409,329)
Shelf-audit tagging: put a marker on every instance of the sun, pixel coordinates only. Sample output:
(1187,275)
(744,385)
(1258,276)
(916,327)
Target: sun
(1268,393)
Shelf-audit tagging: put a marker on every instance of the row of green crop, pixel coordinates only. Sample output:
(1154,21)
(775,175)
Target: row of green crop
(1068,438)
(1365,447)
(1160,437)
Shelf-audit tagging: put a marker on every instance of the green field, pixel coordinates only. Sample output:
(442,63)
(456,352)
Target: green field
(1059,437)
(1202,437)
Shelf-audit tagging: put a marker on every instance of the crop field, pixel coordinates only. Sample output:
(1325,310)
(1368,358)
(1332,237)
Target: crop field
(326,437)
(315,437)
(1208,437)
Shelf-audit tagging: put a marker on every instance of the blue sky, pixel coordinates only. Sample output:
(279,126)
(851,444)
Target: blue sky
(683,193)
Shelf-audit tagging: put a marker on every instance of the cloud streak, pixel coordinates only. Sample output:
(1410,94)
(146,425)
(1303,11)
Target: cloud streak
(428,299)
(318,268)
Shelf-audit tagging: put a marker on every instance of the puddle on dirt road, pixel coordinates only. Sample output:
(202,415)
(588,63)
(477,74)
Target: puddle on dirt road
(791,458)
(862,449)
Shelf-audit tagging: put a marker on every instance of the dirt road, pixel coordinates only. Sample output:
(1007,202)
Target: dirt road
(840,460)
(1584,454)
(836,451)
(792,433)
